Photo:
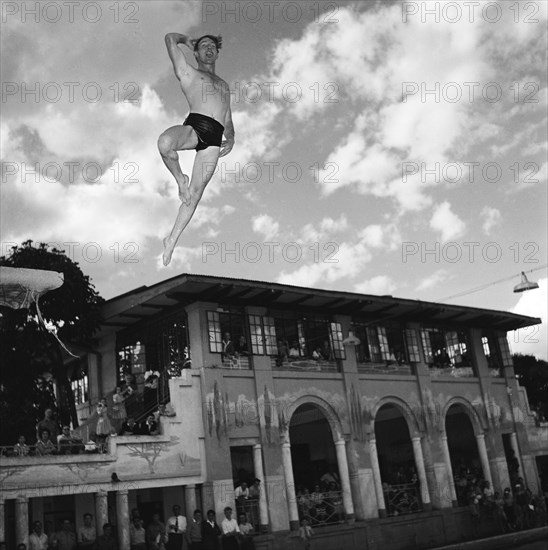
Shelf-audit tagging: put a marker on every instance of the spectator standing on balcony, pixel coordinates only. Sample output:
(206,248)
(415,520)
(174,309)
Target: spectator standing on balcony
(104,427)
(38,540)
(241,494)
(211,533)
(106,541)
(67,444)
(44,446)
(194,531)
(176,529)
(156,533)
(87,534)
(255,489)
(231,531)
(118,414)
(65,538)
(48,423)
(137,535)
(228,348)
(283,353)
(21,448)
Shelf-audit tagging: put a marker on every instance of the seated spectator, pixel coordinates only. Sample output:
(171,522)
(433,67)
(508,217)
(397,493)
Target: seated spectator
(67,444)
(241,492)
(130,427)
(149,426)
(48,423)
(21,448)
(326,351)
(294,350)
(317,354)
(255,489)
(44,446)
(241,346)
(246,529)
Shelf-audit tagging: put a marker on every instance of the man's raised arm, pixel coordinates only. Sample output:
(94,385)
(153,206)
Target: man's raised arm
(177,57)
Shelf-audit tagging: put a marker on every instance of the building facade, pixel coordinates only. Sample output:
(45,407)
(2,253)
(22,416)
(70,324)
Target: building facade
(350,409)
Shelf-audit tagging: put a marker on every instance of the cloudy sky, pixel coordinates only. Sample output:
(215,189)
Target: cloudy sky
(381,147)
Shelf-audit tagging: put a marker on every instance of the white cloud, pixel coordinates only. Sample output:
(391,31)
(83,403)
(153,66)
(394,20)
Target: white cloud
(347,262)
(266,226)
(432,280)
(532,340)
(491,218)
(446,222)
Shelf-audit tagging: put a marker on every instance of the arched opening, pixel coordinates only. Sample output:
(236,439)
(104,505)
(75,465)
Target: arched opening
(463,450)
(315,470)
(399,477)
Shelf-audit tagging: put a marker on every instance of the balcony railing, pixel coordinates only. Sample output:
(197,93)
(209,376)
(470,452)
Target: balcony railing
(321,508)
(384,368)
(455,372)
(402,499)
(303,364)
(239,362)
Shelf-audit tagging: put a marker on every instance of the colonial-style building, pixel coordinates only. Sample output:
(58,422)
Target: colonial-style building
(385,403)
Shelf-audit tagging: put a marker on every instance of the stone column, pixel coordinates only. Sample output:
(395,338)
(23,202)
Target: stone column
(2,521)
(340,447)
(449,468)
(122,519)
(208,500)
(101,511)
(290,487)
(482,450)
(259,474)
(190,503)
(421,472)
(377,477)
(21,520)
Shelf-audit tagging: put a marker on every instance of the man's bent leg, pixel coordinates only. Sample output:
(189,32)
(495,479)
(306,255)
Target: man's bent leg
(177,138)
(204,167)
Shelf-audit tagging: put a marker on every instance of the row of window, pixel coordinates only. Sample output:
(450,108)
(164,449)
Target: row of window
(290,336)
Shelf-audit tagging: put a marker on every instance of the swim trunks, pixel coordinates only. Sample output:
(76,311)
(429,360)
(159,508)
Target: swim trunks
(208,130)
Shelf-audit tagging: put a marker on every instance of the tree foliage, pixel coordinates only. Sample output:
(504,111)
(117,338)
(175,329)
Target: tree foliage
(28,352)
(532,374)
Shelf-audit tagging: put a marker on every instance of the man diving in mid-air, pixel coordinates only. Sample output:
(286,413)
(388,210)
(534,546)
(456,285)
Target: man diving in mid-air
(210,117)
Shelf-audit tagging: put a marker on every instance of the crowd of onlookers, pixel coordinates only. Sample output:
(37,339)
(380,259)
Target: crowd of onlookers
(515,509)
(54,439)
(174,534)
(322,502)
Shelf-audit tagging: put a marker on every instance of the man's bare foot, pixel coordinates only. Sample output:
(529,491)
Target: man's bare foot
(184,192)
(168,251)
